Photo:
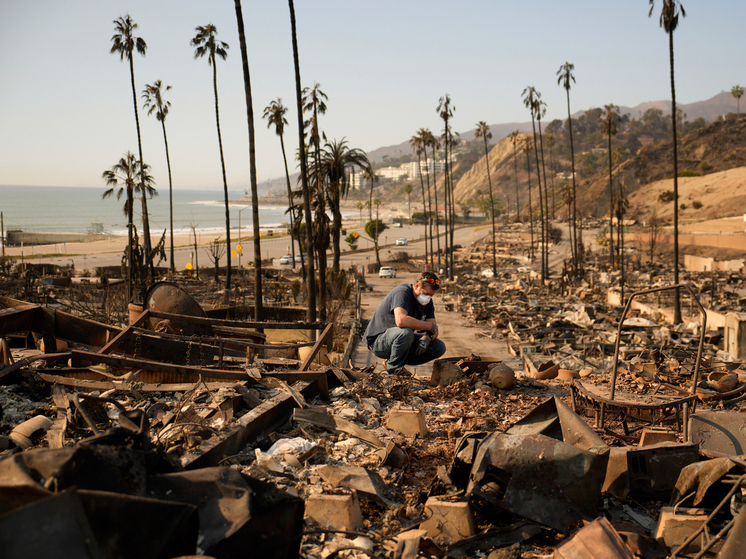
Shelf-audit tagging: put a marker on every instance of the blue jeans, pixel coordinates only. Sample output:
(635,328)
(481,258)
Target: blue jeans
(398,345)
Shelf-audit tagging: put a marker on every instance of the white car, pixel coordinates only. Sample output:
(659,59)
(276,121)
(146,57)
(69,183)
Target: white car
(402,242)
(386,272)
(287,259)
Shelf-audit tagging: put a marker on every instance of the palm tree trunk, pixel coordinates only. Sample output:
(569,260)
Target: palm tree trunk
(130,249)
(515,169)
(336,228)
(541,202)
(304,173)
(424,200)
(677,300)
(170,197)
(611,214)
(530,208)
(435,196)
(258,311)
(225,180)
(575,246)
(290,198)
(492,206)
(545,257)
(429,208)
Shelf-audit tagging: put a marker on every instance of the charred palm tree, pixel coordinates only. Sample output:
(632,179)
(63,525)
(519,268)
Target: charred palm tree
(669,21)
(445,111)
(541,111)
(314,102)
(433,142)
(304,172)
(531,99)
(258,310)
(154,101)
(610,118)
(124,43)
(417,146)
(483,132)
(514,140)
(564,78)
(206,44)
(527,152)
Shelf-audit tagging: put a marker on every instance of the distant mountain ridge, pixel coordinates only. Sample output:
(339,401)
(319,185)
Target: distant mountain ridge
(711,109)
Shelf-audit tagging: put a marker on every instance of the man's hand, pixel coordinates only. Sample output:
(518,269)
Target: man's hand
(422,345)
(433,333)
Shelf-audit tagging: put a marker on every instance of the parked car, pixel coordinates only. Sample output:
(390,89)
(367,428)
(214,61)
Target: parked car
(525,269)
(386,272)
(401,242)
(287,259)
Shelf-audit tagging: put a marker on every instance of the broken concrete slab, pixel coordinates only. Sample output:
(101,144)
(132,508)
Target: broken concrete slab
(339,512)
(407,421)
(450,521)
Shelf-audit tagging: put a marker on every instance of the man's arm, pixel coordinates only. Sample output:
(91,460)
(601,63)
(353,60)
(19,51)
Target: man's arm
(403,320)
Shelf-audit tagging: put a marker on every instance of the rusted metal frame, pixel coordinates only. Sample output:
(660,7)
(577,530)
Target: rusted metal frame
(148,365)
(213,340)
(108,348)
(703,314)
(325,337)
(87,384)
(261,420)
(240,324)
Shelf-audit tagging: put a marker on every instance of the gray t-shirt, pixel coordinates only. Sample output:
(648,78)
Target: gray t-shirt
(401,296)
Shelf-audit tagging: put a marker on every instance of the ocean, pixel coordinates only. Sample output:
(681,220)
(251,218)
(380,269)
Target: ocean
(53,209)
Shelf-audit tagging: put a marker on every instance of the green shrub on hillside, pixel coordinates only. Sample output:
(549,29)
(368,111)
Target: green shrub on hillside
(696,204)
(686,173)
(666,196)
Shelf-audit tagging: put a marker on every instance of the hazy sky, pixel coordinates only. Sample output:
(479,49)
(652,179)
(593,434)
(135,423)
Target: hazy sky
(66,110)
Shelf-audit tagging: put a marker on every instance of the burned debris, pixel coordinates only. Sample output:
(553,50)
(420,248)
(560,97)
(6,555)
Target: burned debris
(589,430)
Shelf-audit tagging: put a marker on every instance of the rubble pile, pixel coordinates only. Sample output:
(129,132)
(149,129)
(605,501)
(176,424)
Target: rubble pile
(618,436)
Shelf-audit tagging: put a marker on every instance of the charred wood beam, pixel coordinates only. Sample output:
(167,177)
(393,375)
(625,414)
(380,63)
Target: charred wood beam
(108,348)
(262,420)
(325,337)
(239,323)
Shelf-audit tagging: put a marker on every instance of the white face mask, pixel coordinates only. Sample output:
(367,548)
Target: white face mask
(423,299)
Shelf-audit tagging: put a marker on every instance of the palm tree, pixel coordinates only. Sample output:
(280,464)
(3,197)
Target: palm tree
(130,177)
(434,143)
(565,77)
(154,101)
(336,158)
(303,172)
(621,206)
(275,115)
(360,207)
(258,311)
(550,144)
(408,191)
(445,111)
(541,111)
(205,43)
(610,117)
(483,131)
(737,92)
(124,43)
(527,153)
(419,148)
(669,21)
(514,140)
(314,102)
(531,101)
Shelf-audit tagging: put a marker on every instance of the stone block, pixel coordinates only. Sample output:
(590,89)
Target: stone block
(676,525)
(407,420)
(449,521)
(339,512)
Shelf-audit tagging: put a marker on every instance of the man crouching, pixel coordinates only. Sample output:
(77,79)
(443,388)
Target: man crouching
(392,333)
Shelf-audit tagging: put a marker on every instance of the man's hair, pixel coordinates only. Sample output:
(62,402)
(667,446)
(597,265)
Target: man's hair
(429,279)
